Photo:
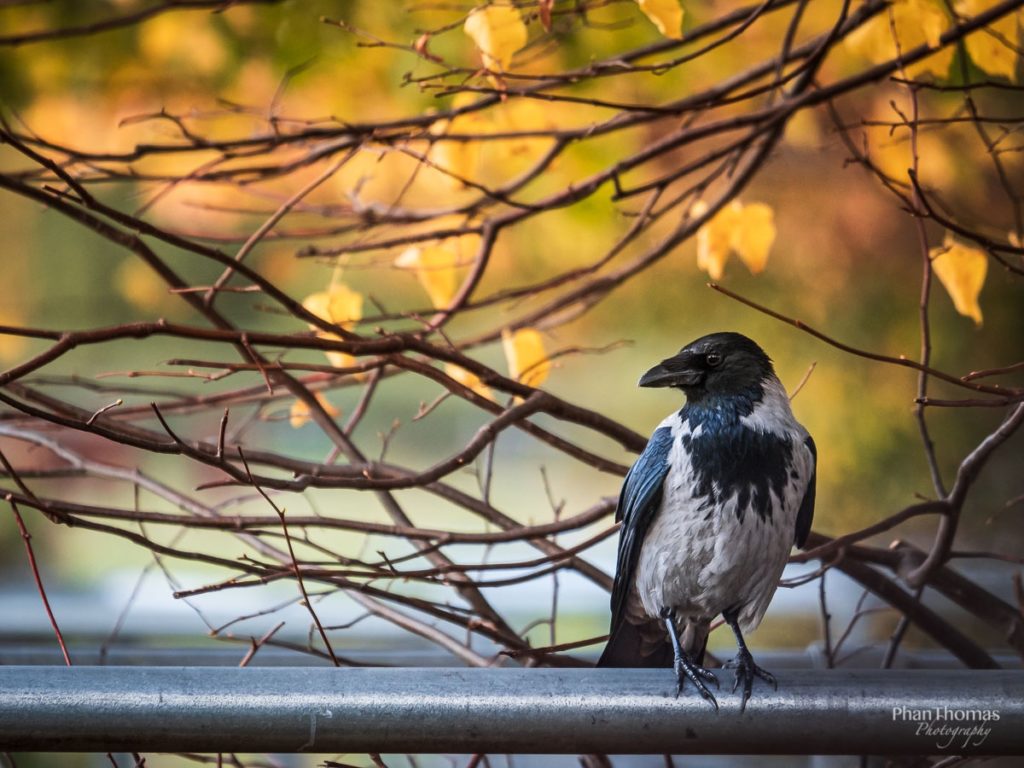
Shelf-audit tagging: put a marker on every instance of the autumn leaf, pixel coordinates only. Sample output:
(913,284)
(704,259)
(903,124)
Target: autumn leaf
(754,235)
(995,47)
(893,154)
(927,15)
(299,414)
(498,31)
(747,230)
(468,379)
(436,268)
(340,359)
(339,304)
(667,16)
(342,306)
(459,158)
(524,116)
(465,246)
(906,25)
(527,359)
(961,270)
(714,237)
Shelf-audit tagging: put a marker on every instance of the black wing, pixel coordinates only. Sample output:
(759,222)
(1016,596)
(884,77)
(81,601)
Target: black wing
(638,504)
(806,514)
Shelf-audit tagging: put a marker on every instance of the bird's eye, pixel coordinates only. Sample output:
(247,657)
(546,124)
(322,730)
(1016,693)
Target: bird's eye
(713,359)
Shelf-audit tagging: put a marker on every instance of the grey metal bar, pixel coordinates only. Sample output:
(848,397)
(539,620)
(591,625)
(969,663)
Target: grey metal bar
(225,655)
(539,711)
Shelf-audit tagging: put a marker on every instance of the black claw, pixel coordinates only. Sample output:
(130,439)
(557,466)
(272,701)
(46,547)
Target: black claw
(746,671)
(687,670)
(708,675)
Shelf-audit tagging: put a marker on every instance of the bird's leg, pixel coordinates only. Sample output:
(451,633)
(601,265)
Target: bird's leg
(746,669)
(684,666)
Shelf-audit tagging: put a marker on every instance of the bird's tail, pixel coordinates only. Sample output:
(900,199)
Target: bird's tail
(632,645)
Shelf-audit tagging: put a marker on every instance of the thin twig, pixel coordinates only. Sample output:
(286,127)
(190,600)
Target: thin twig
(295,563)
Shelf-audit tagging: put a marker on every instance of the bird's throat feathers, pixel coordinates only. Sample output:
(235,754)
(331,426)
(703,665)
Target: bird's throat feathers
(740,445)
(761,408)
(713,411)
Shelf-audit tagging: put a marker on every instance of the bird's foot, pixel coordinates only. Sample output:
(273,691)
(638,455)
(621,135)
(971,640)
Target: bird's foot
(746,671)
(696,674)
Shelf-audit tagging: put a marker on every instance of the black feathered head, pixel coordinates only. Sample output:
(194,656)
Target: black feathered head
(719,365)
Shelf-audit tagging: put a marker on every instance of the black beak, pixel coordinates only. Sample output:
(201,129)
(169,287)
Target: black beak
(671,373)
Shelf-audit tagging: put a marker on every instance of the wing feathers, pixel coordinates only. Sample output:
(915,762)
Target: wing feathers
(638,504)
(806,514)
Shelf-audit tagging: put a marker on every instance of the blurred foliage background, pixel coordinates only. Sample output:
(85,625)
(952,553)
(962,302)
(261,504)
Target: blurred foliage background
(845,259)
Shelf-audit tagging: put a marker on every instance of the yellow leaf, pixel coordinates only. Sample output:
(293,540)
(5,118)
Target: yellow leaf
(339,304)
(749,230)
(915,22)
(459,158)
(753,237)
(435,266)
(342,306)
(714,238)
(527,360)
(342,359)
(468,379)
(299,414)
(522,116)
(338,359)
(930,17)
(667,16)
(318,304)
(994,47)
(891,153)
(961,270)
(465,246)
(498,31)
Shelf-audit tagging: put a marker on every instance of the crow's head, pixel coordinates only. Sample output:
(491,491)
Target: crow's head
(717,365)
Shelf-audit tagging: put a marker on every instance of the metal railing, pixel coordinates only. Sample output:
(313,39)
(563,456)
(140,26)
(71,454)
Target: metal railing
(539,711)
